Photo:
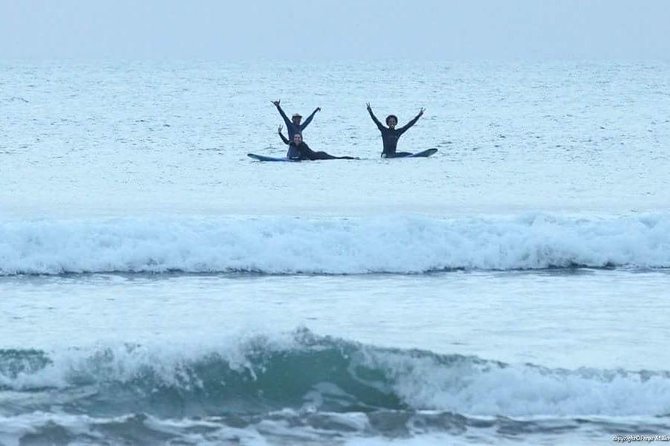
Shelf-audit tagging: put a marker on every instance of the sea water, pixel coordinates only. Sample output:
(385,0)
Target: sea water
(157,286)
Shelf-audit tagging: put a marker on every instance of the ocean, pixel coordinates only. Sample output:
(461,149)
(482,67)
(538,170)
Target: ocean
(159,287)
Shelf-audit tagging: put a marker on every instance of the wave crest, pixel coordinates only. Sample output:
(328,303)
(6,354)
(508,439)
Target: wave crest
(282,245)
(304,371)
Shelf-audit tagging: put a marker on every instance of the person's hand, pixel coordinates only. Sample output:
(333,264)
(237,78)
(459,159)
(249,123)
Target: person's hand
(281,127)
(421,111)
(276,103)
(368,105)
(318,109)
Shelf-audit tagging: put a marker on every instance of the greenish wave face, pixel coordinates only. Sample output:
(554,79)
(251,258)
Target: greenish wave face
(306,372)
(321,373)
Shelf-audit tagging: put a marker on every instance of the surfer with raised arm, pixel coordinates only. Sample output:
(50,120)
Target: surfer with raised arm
(305,153)
(294,125)
(391,134)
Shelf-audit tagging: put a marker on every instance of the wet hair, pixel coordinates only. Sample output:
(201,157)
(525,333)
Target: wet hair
(391,116)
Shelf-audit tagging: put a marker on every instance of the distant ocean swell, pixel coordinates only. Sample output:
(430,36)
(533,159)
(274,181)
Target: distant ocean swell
(404,244)
(305,372)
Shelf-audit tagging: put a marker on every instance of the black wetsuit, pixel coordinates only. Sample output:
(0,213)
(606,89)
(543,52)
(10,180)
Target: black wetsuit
(291,128)
(308,154)
(390,136)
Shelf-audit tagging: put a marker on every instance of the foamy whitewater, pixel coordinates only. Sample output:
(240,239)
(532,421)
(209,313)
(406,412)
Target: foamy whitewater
(157,286)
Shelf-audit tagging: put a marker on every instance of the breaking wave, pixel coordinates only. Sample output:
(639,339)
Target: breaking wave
(283,245)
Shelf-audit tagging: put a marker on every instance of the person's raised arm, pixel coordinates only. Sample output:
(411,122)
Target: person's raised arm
(281,112)
(404,128)
(374,118)
(309,118)
(281,135)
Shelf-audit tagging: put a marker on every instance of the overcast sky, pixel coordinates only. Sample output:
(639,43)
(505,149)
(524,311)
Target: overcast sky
(335,29)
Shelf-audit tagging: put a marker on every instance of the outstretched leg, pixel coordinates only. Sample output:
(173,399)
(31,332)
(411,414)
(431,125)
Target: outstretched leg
(398,155)
(327,156)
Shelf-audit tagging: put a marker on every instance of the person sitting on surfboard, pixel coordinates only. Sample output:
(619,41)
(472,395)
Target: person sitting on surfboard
(390,134)
(294,126)
(305,153)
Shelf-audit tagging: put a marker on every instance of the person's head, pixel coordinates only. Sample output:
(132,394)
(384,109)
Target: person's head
(297,139)
(296,118)
(392,121)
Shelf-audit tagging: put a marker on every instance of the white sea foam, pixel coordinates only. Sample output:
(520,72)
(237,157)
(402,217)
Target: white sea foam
(283,245)
(475,387)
